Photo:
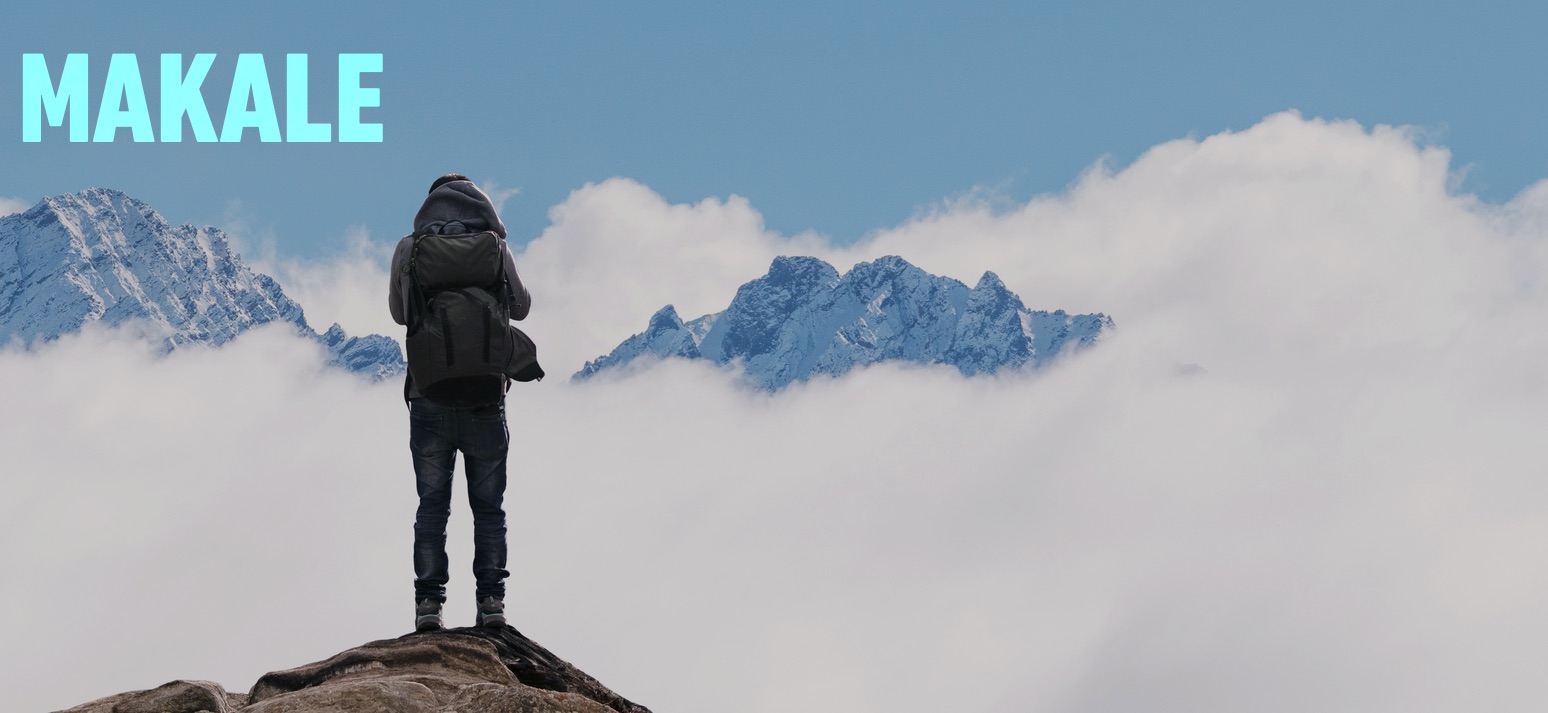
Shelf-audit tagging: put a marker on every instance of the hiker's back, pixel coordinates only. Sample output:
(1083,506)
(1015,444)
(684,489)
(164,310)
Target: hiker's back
(459,340)
(456,289)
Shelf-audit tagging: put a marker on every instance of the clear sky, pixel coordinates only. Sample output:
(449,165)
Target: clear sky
(840,118)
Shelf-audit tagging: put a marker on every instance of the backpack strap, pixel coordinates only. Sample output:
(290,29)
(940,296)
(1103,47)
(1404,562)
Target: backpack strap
(505,308)
(504,295)
(417,306)
(418,302)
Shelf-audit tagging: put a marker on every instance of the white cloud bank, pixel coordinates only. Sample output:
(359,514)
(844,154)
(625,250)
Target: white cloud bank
(9,206)
(1344,512)
(349,287)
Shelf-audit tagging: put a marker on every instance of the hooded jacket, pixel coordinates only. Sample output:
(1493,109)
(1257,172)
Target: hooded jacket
(453,208)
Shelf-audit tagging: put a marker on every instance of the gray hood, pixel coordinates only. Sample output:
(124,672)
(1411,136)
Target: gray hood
(457,202)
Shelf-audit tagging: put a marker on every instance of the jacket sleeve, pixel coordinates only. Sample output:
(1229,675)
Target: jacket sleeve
(521,299)
(395,284)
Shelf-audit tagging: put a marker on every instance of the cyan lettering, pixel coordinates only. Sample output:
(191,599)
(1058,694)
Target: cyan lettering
(123,87)
(39,97)
(250,104)
(180,95)
(353,97)
(297,128)
(251,81)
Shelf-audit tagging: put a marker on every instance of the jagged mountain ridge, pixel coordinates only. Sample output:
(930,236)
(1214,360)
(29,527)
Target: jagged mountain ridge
(802,319)
(101,256)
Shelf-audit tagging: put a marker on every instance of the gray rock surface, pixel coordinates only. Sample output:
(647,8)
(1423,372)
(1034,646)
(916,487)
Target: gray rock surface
(191,696)
(469,670)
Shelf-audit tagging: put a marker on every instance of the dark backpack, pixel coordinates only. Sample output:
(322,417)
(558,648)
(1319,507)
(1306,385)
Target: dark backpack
(461,344)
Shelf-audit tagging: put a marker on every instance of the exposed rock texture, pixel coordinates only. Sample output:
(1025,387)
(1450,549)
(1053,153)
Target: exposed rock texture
(470,670)
(179,696)
(101,256)
(802,319)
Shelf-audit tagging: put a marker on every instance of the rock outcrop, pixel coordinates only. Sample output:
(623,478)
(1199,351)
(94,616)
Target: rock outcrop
(468,670)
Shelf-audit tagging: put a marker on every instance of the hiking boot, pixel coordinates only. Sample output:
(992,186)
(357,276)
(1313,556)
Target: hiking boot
(427,615)
(491,612)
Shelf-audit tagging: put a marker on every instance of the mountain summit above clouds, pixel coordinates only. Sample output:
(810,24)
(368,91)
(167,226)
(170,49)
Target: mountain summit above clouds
(802,319)
(101,256)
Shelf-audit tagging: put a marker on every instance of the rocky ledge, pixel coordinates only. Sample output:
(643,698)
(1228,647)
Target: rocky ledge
(468,670)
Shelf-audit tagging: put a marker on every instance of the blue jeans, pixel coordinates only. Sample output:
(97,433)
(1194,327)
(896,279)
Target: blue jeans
(436,433)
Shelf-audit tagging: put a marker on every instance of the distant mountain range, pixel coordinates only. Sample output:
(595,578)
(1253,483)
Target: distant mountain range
(803,319)
(101,256)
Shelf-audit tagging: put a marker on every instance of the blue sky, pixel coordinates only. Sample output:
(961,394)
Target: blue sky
(840,118)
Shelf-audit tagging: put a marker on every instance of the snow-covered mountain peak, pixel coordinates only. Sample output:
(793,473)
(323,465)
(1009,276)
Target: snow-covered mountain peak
(99,255)
(799,270)
(890,268)
(802,319)
(991,282)
(664,320)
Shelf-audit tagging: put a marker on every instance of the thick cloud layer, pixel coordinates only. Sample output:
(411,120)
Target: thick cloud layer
(1340,508)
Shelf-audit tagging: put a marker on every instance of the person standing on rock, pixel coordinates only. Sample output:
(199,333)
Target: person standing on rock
(466,413)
